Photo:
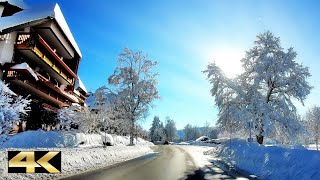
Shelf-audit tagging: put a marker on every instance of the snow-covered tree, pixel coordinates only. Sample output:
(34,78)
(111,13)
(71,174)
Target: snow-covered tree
(206,129)
(161,132)
(313,123)
(187,131)
(101,97)
(153,132)
(263,93)
(213,134)
(170,129)
(191,132)
(135,84)
(11,107)
(69,118)
(140,132)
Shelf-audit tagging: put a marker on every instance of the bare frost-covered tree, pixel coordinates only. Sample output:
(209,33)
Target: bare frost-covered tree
(135,84)
(191,132)
(313,123)
(11,107)
(263,93)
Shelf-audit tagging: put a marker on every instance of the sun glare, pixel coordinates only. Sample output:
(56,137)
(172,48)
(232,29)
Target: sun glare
(228,59)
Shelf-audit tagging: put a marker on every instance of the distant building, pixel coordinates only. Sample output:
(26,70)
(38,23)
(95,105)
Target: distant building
(39,55)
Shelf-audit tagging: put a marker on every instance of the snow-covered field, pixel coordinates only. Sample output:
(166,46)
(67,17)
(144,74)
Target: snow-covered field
(270,162)
(80,153)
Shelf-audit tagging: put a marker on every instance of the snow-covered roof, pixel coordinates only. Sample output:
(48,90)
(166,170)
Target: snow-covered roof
(36,14)
(25,66)
(80,84)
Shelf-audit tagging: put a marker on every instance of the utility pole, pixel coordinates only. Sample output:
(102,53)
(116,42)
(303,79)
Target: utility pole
(250,134)
(105,132)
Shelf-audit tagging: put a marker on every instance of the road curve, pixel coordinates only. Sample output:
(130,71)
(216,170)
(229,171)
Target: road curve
(170,162)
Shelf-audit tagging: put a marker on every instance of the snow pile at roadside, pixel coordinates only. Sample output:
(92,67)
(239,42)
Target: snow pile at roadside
(197,153)
(271,162)
(39,139)
(78,160)
(312,147)
(58,139)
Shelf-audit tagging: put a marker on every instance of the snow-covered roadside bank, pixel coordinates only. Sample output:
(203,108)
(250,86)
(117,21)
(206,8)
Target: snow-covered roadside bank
(79,152)
(198,154)
(78,160)
(59,139)
(204,158)
(270,162)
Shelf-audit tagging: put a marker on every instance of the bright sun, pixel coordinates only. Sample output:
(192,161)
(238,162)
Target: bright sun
(228,59)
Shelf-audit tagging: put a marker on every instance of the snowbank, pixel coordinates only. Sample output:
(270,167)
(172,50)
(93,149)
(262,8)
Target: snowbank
(125,140)
(40,139)
(58,139)
(78,160)
(80,152)
(271,162)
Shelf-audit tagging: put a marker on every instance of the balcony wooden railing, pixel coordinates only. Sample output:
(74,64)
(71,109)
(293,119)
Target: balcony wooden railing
(33,42)
(45,88)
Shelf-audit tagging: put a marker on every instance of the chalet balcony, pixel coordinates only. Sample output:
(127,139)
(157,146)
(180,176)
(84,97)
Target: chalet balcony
(39,86)
(36,49)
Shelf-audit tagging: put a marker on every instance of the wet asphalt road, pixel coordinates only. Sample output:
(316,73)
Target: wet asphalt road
(169,163)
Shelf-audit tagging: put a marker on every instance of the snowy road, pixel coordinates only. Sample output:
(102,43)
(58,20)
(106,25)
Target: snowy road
(170,162)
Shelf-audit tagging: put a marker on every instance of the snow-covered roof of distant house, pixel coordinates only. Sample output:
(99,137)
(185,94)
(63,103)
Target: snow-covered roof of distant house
(80,85)
(18,3)
(36,15)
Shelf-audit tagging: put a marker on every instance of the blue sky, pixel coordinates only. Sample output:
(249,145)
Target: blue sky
(183,36)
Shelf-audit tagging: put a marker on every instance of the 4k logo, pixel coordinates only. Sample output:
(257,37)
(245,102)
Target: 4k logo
(34,162)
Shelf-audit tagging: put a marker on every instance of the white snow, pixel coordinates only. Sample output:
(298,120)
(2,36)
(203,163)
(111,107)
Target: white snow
(78,160)
(107,139)
(80,84)
(37,14)
(198,156)
(26,67)
(80,152)
(312,147)
(58,139)
(271,162)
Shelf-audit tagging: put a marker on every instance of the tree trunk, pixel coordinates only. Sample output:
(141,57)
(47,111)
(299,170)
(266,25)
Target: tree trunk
(131,132)
(260,138)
